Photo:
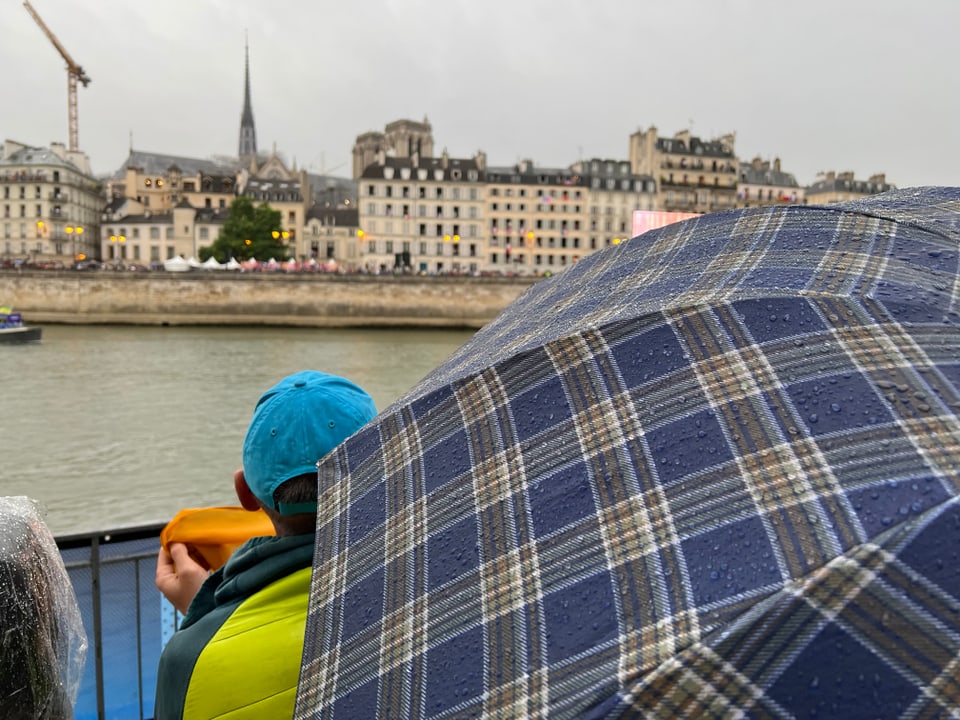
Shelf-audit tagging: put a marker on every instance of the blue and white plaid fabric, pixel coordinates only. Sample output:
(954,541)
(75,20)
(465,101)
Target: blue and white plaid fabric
(711,472)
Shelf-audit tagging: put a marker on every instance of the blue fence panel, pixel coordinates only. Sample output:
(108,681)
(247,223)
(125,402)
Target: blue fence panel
(124,616)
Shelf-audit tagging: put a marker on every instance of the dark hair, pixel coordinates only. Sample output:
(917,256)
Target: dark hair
(299,489)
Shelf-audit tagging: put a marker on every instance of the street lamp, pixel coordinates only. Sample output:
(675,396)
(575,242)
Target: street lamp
(74,234)
(116,245)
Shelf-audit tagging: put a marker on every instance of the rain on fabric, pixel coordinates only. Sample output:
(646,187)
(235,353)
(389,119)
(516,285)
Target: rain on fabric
(712,470)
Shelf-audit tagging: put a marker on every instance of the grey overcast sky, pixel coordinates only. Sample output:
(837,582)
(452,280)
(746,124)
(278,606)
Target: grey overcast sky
(864,85)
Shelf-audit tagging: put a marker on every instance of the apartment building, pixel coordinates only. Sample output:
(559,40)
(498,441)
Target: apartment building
(615,193)
(833,187)
(692,174)
(132,234)
(762,183)
(159,182)
(422,214)
(540,220)
(330,233)
(50,204)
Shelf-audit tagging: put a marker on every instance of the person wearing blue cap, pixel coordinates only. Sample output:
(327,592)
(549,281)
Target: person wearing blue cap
(237,651)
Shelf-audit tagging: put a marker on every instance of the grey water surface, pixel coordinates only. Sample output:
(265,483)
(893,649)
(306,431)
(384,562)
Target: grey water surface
(114,426)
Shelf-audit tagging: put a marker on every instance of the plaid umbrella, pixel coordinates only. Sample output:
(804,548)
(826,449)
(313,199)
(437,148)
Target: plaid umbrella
(710,472)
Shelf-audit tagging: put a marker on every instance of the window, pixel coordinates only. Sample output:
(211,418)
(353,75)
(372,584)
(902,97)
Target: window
(169,233)
(388,246)
(204,233)
(136,232)
(154,233)
(371,190)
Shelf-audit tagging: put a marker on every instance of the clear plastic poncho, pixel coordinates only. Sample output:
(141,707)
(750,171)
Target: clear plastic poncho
(42,642)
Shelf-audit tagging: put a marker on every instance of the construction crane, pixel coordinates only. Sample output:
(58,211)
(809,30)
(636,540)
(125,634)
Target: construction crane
(75,74)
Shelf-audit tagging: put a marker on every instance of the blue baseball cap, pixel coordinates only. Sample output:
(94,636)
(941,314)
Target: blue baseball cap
(295,423)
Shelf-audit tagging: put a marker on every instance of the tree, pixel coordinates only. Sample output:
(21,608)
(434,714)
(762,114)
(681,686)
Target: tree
(248,232)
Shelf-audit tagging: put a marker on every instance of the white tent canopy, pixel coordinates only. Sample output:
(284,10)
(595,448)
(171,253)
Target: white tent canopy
(176,264)
(211,263)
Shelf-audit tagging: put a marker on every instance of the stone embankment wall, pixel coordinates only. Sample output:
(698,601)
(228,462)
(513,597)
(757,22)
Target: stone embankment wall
(310,300)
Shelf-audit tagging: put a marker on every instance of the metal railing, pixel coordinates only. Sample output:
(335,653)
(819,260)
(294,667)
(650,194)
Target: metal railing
(127,621)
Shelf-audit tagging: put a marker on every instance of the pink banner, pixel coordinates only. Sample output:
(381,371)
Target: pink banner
(644,220)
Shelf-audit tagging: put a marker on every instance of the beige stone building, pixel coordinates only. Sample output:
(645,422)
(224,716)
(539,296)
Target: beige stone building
(50,203)
(542,220)
(331,237)
(132,234)
(422,214)
(832,187)
(762,183)
(615,193)
(457,215)
(285,190)
(160,182)
(400,139)
(692,174)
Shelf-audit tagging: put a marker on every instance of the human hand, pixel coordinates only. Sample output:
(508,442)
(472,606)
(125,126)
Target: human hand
(179,576)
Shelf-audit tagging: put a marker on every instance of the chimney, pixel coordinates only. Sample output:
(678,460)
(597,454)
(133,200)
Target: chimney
(776,164)
(878,179)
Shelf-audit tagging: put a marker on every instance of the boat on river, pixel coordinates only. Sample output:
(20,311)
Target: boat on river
(12,329)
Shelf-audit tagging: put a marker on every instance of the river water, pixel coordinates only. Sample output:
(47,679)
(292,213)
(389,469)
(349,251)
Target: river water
(110,426)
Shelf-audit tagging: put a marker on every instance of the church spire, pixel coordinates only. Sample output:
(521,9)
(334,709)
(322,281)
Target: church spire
(248,133)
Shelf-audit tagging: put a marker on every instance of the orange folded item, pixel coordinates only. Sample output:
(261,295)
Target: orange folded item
(213,533)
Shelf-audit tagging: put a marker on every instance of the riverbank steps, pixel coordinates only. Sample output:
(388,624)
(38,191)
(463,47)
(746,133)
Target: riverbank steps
(274,299)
